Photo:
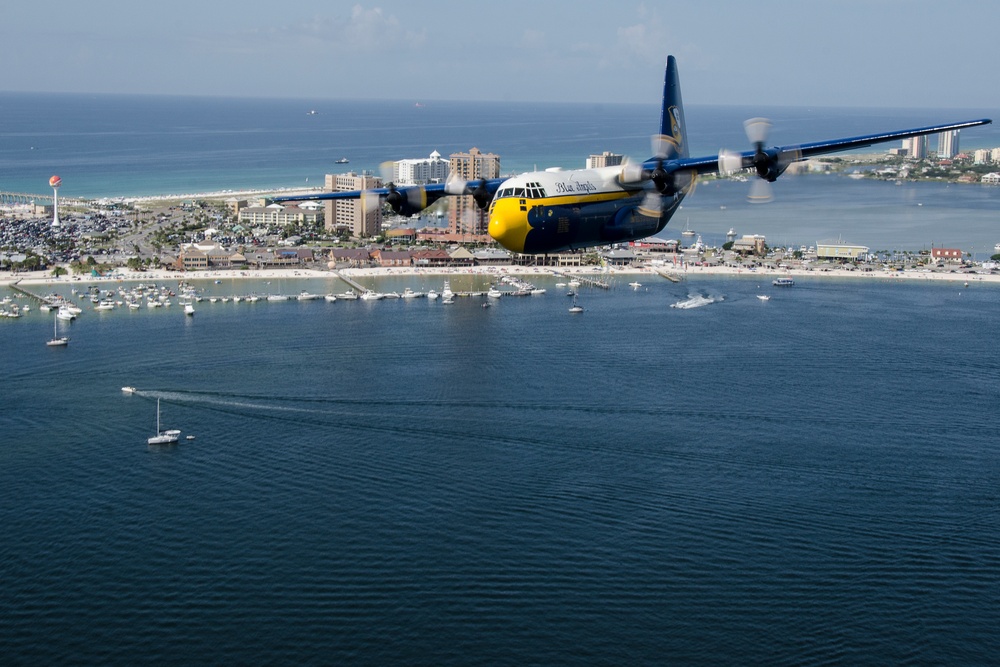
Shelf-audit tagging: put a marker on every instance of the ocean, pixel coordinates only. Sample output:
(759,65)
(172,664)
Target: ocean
(806,480)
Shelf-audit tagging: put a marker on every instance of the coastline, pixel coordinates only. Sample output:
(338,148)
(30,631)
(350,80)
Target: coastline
(160,275)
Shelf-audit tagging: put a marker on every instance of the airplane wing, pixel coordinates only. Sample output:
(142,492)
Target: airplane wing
(411,199)
(771,162)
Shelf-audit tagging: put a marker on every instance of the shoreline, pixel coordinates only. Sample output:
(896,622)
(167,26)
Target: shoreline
(160,275)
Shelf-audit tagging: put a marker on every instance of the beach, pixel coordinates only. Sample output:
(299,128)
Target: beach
(45,278)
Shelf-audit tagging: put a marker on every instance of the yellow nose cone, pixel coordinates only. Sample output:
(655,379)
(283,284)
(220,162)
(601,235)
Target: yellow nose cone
(509,225)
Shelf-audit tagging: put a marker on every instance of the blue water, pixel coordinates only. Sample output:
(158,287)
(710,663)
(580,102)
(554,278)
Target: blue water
(807,480)
(103,145)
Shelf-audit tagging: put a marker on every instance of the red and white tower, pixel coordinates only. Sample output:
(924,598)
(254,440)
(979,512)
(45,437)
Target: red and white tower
(55,182)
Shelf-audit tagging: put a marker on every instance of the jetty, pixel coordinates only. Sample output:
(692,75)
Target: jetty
(46,301)
(353,283)
(669,276)
(592,282)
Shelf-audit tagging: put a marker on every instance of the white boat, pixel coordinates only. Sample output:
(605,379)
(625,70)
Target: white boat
(65,314)
(432,295)
(575,308)
(57,340)
(129,390)
(307,296)
(105,305)
(494,293)
(188,309)
(782,282)
(162,437)
(763,297)
(410,294)
(687,229)
(276,297)
(330,298)
(369,295)
(446,293)
(635,285)
(348,296)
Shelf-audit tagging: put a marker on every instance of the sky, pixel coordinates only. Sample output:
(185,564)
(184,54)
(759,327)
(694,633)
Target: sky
(856,53)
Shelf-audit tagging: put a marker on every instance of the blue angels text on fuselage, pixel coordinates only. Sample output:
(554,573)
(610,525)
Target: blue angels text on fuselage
(557,210)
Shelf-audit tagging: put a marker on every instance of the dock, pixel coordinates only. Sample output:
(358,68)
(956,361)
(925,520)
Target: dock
(669,276)
(38,297)
(361,289)
(592,282)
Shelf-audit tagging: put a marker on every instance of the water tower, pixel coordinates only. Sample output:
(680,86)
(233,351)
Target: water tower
(55,182)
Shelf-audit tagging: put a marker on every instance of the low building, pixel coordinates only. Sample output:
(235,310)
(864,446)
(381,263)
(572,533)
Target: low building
(432,257)
(392,257)
(953,255)
(840,251)
(750,245)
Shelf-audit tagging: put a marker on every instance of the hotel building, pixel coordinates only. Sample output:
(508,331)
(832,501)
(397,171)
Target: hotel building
(465,218)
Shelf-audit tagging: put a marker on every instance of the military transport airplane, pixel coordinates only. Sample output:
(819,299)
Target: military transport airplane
(556,210)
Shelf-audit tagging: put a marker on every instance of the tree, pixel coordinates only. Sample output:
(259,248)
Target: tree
(59,271)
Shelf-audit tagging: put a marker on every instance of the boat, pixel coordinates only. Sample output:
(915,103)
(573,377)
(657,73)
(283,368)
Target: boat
(371,295)
(307,296)
(410,294)
(129,390)
(189,310)
(330,298)
(763,297)
(65,314)
(635,285)
(162,437)
(57,340)
(431,294)
(348,296)
(575,308)
(783,282)
(687,231)
(494,293)
(342,160)
(276,297)
(446,293)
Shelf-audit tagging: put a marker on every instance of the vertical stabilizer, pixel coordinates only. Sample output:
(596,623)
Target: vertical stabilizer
(673,132)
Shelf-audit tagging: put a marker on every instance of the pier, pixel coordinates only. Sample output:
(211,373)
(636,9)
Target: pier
(669,276)
(592,282)
(43,300)
(356,285)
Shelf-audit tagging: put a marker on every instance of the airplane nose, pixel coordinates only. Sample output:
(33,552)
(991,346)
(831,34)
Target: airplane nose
(508,231)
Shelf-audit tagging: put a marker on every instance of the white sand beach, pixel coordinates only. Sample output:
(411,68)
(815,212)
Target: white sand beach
(161,275)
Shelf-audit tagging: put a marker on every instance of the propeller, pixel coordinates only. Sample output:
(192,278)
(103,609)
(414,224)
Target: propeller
(666,181)
(769,163)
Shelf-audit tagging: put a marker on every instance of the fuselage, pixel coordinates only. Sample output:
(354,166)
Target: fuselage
(557,210)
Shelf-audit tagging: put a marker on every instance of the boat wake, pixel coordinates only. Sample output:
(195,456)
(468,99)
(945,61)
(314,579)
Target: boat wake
(697,301)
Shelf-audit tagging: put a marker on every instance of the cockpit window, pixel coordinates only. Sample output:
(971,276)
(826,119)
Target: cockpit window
(528,191)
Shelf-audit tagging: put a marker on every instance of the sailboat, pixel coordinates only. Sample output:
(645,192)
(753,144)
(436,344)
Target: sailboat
(687,229)
(575,308)
(57,340)
(162,437)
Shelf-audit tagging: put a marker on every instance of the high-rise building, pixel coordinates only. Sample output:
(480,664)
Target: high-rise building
(605,159)
(918,147)
(363,216)
(464,216)
(947,144)
(433,169)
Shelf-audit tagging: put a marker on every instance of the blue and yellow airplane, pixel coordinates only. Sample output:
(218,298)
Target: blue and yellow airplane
(557,210)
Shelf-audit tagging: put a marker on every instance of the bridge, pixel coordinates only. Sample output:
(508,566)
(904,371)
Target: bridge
(23,198)
(26,199)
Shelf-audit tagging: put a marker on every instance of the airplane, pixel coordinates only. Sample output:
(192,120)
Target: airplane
(558,210)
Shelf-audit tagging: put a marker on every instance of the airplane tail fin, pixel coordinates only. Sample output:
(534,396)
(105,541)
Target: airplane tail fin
(673,131)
